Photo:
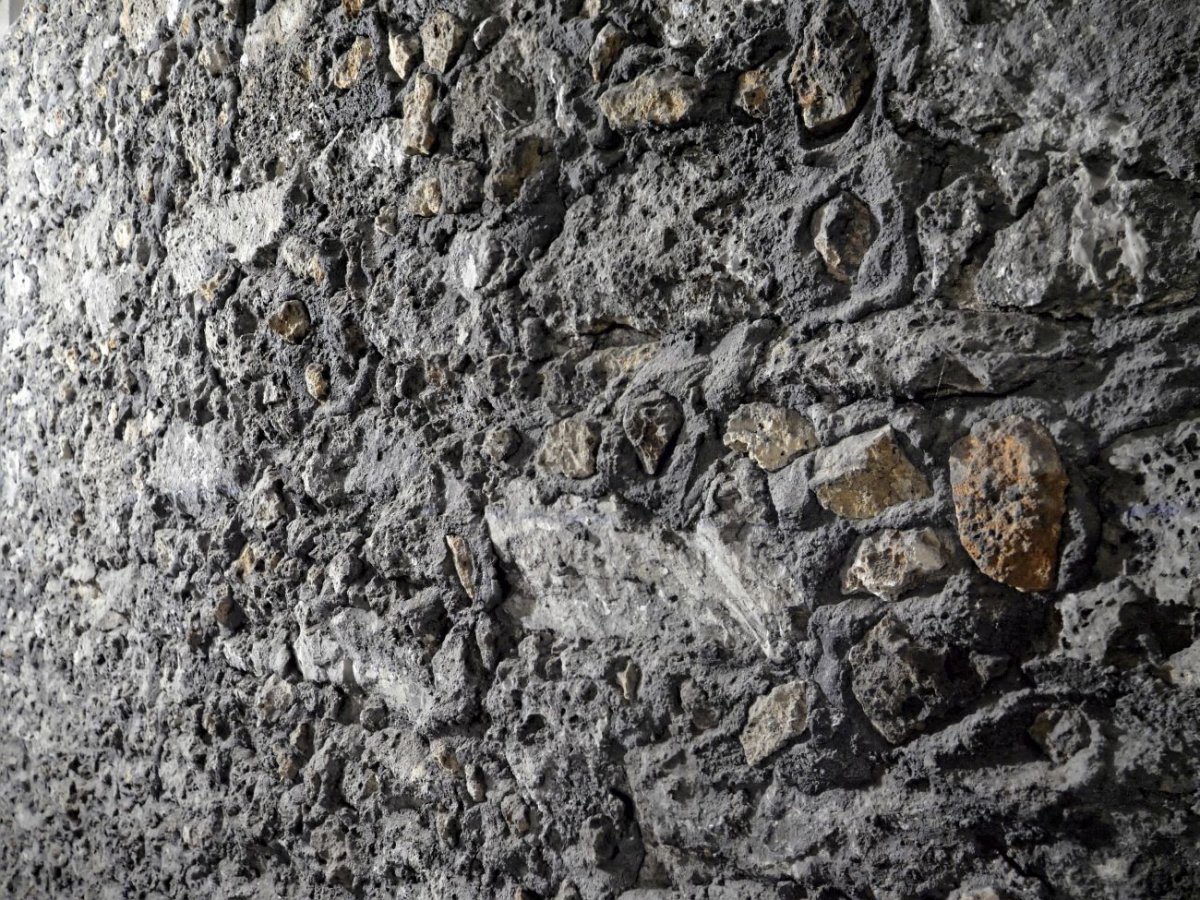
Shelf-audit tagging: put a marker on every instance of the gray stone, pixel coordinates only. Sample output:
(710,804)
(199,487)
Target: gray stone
(891,563)
(833,69)
(569,448)
(842,231)
(775,720)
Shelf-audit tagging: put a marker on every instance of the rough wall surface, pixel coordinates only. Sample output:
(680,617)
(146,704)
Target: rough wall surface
(600,449)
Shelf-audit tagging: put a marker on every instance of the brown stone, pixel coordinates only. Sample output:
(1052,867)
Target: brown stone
(772,435)
(775,720)
(417,136)
(865,474)
(425,199)
(842,232)
(290,321)
(832,69)
(651,424)
(662,97)
(442,37)
(349,66)
(316,379)
(1009,491)
(752,94)
(464,562)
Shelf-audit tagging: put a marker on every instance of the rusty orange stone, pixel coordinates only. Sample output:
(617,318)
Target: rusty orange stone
(1009,490)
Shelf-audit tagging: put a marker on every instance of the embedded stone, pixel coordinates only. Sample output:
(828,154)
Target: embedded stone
(489,31)
(425,199)
(404,53)
(891,563)
(516,162)
(290,321)
(865,474)
(652,424)
(607,46)
(662,97)
(462,186)
(349,67)
(1009,490)
(316,379)
(772,436)
(500,443)
(352,8)
(442,37)
(464,562)
(569,448)
(832,69)
(418,136)
(842,232)
(775,720)
(902,685)
(1061,733)
(752,93)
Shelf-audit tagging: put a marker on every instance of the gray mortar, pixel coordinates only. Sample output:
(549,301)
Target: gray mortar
(236,656)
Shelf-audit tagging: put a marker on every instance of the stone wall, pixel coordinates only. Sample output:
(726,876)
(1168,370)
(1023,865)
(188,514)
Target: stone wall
(600,448)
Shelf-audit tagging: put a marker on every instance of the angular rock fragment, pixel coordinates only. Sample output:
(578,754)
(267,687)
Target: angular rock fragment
(290,321)
(418,136)
(404,53)
(832,69)
(607,46)
(1061,733)
(569,448)
(775,720)
(651,423)
(425,198)
(489,31)
(349,66)
(629,678)
(890,563)
(752,93)
(462,186)
(316,379)
(772,435)
(500,443)
(464,562)
(865,474)
(517,160)
(442,37)
(661,97)
(1009,491)
(902,685)
(842,232)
